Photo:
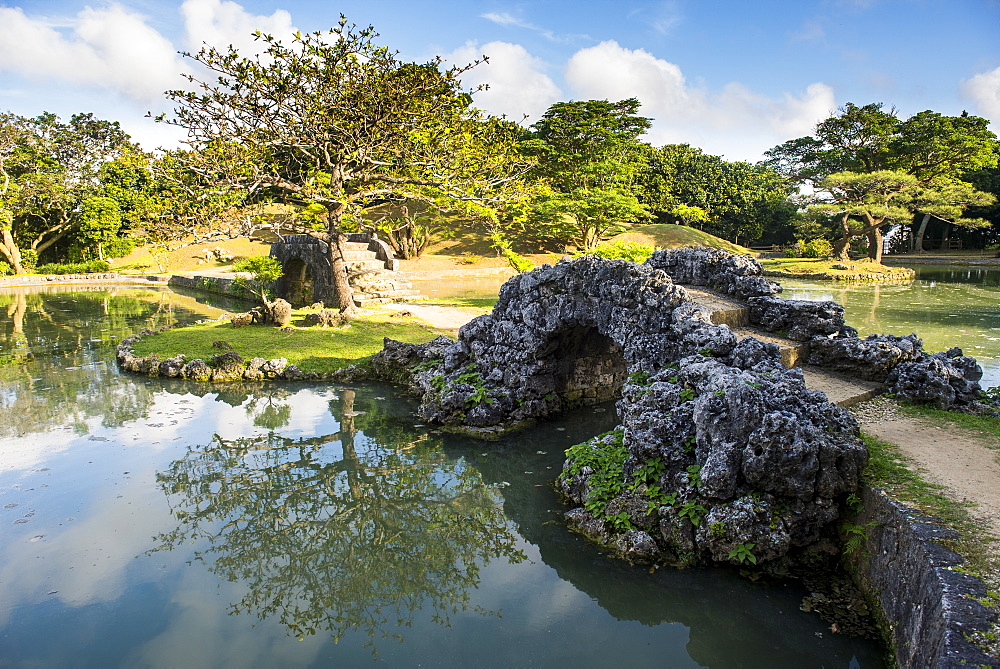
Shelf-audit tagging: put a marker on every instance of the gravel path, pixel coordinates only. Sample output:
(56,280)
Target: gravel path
(962,461)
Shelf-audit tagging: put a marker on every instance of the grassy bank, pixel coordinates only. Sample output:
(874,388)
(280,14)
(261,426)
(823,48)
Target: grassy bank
(822,268)
(899,477)
(312,349)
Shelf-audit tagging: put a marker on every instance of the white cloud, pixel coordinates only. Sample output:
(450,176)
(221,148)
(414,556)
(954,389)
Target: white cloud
(735,121)
(221,23)
(510,21)
(518,85)
(110,47)
(984,91)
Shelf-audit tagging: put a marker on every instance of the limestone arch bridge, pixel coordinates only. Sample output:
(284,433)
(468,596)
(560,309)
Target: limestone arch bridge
(722,453)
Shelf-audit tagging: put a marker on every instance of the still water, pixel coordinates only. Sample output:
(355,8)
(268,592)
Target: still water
(946,306)
(157,522)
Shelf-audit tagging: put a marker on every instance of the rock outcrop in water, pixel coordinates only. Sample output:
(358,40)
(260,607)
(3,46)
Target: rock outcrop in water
(722,455)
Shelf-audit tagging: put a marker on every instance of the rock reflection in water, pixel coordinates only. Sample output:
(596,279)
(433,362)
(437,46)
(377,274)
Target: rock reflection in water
(338,533)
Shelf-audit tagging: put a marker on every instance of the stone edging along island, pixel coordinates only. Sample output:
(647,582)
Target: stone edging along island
(713,393)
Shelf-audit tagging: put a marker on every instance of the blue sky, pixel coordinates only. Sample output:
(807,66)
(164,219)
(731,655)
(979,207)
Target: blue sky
(731,77)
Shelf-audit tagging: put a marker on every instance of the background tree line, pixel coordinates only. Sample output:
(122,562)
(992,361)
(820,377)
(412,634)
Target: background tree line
(347,136)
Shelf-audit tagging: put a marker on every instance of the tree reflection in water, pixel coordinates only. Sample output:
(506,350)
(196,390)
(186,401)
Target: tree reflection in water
(350,539)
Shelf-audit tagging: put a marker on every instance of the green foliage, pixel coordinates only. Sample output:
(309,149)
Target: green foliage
(263,270)
(692,511)
(605,455)
(733,200)
(90,267)
(518,262)
(470,376)
(5,268)
(687,395)
(694,475)
(335,121)
(29,259)
(649,473)
(743,553)
(814,248)
(588,155)
(856,535)
(639,378)
(718,529)
(621,250)
(868,168)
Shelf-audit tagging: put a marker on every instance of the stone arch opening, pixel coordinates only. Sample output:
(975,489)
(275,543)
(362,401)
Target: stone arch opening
(297,283)
(587,366)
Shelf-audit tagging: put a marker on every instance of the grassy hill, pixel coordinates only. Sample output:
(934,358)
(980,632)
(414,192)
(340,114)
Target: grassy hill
(670,236)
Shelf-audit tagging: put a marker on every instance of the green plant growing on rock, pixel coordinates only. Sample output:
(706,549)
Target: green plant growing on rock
(743,553)
(694,475)
(605,455)
(693,511)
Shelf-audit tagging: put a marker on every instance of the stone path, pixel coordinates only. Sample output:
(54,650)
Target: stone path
(964,462)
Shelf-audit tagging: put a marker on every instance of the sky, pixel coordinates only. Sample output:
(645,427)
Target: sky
(732,77)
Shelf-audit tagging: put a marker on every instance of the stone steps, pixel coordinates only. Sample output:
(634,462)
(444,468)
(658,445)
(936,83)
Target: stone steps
(841,390)
(793,353)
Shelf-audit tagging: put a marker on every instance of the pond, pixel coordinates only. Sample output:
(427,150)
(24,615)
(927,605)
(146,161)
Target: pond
(163,522)
(946,306)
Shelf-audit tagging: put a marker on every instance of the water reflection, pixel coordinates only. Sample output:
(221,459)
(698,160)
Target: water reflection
(945,306)
(312,507)
(66,337)
(338,533)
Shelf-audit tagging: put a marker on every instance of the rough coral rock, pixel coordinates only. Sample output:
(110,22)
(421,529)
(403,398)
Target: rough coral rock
(726,272)
(947,379)
(872,358)
(799,320)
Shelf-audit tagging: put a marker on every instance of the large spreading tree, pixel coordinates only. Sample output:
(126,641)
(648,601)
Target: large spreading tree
(48,171)
(869,168)
(333,120)
(589,155)
(734,200)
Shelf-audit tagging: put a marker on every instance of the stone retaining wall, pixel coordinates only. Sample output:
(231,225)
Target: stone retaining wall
(209,284)
(103,277)
(928,607)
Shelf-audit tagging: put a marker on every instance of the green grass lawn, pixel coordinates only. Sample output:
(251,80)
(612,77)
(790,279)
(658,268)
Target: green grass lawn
(671,236)
(312,349)
(825,267)
(482,304)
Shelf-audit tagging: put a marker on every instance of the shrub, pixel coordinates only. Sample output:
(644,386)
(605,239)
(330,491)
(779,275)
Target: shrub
(89,267)
(814,248)
(621,250)
(5,269)
(29,259)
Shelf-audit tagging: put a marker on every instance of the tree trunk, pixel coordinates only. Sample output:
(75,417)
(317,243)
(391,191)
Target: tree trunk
(841,246)
(9,249)
(875,245)
(918,245)
(341,283)
(946,237)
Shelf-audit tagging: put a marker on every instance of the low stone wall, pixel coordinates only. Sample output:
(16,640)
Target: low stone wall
(928,607)
(905,274)
(209,284)
(103,277)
